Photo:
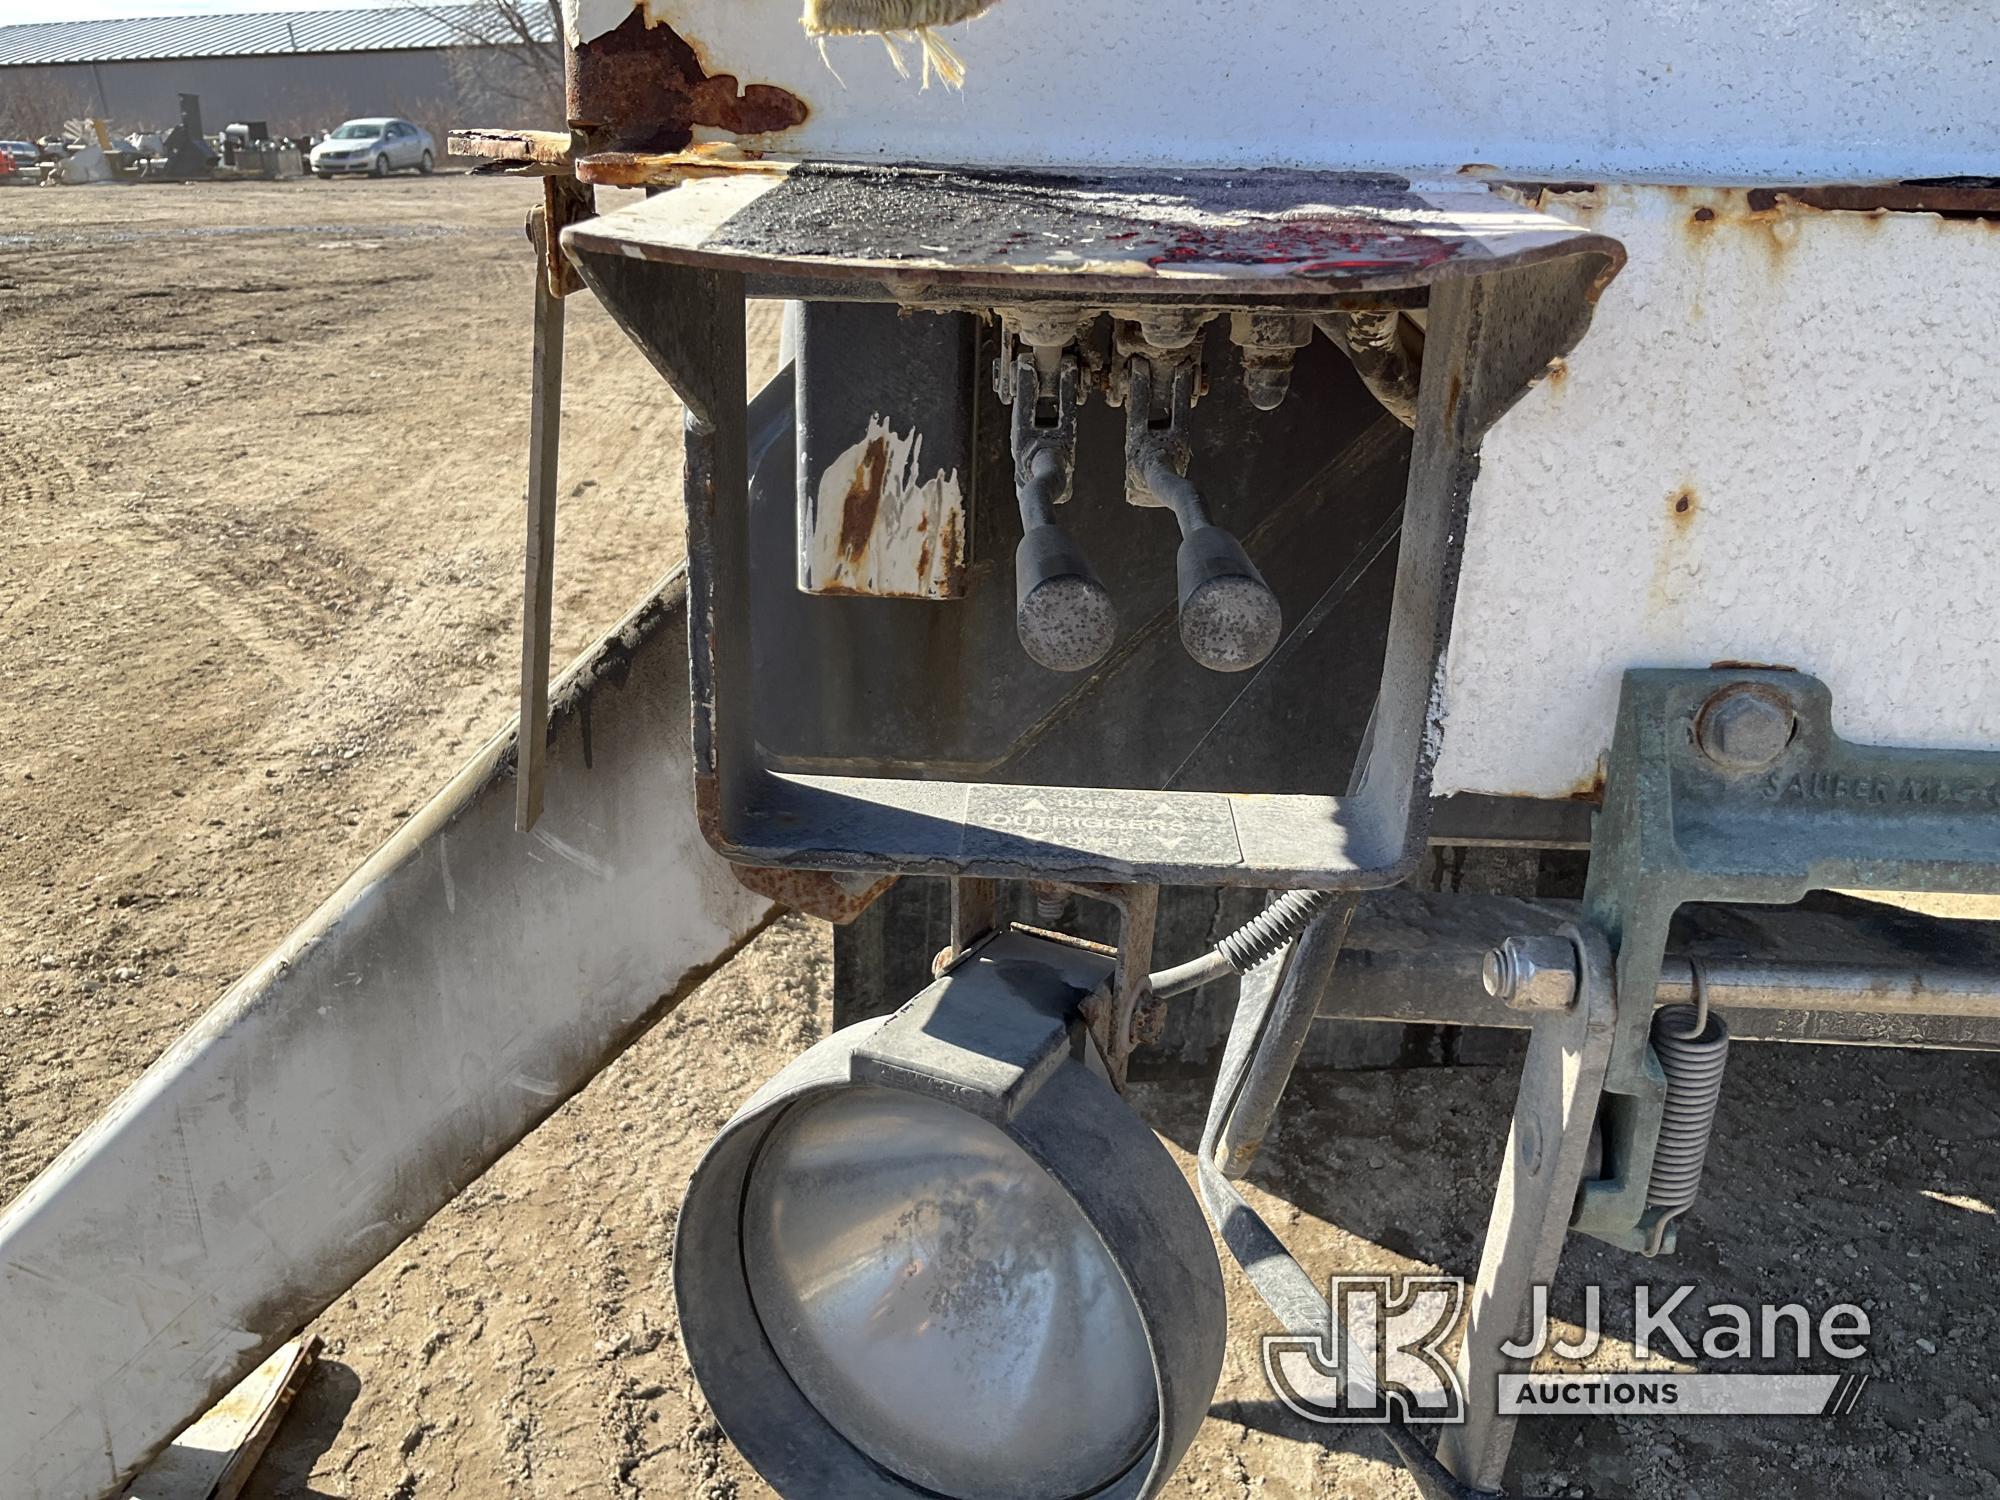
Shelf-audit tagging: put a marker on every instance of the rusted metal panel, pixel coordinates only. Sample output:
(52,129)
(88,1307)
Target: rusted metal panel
(878,524)
(832,897)
(641,87)
(461,985)
(670,168)
(529,149)
(565,201)
(1952,198)
(1775,446)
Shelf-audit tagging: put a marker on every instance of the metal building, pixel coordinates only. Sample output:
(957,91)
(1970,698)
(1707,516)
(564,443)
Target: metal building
(302,71)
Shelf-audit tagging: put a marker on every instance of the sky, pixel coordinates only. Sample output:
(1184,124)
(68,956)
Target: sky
(12,11)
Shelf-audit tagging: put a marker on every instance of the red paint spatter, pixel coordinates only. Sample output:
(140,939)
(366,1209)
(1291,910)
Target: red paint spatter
(1308,246)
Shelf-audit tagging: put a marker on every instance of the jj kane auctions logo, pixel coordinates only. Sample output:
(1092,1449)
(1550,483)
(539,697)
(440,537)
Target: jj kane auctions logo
(1381,1357)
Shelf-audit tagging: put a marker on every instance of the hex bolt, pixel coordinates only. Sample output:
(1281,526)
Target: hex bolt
(1745,727)
(1532,973)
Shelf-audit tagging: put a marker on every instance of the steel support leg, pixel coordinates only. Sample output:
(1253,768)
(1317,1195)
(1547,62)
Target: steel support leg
(1548,1149)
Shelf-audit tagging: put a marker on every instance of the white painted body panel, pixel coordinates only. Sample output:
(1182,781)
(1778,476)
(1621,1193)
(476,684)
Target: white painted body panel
(1806,90)
(1821,389)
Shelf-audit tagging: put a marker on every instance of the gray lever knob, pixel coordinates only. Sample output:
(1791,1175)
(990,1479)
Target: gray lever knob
(1230,620)
(1063,614)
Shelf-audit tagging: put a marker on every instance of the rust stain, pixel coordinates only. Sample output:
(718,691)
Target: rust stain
(1663,593)
(830,897)
(703,159)
(1778,211)
(863,500)
(1717,209)
(877,528)
(1581,203)
(708,808)
(643,88)
(758,109)
(1589,788)
(1558,372)
(1948,197)
(1452,393)
(952,548)
(547,149)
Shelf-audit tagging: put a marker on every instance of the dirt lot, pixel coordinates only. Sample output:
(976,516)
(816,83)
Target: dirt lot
(260,467)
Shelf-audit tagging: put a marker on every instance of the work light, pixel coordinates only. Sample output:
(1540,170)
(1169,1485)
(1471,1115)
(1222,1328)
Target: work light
(938,1255)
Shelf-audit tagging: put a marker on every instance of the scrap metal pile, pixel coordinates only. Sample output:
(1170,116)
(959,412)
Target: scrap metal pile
(87,151)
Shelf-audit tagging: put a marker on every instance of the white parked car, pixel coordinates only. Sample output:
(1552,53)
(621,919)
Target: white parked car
(375,148)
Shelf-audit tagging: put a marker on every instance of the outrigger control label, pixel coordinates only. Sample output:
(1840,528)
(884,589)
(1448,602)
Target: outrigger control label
(1011,822)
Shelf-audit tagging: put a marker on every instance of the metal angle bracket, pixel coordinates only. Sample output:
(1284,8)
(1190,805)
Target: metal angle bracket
(987,1034)
(1731,785)
(674,271)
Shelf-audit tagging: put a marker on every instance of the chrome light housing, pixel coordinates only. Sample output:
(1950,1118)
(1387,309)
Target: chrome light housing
(939,1256)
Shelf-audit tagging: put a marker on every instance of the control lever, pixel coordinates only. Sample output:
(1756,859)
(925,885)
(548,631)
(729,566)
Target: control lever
(1062,613)
(1229,618)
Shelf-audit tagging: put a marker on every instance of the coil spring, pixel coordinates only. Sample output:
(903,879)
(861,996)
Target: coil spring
(1272,928)
(1693,1047)
(1050,906)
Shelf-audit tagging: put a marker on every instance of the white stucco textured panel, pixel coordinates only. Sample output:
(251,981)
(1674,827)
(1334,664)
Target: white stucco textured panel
(1777,444)
(1812,90)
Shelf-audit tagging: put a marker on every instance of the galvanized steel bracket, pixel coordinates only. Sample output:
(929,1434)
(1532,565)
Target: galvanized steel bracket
(986,1034)
(1783,807)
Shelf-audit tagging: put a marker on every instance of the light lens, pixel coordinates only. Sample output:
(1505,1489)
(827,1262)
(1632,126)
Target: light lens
(943,1302)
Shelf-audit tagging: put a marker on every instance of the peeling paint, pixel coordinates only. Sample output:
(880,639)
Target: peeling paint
(669,168)
(876,526)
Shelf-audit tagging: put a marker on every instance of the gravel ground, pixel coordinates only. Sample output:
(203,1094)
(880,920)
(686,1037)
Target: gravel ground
(260,460)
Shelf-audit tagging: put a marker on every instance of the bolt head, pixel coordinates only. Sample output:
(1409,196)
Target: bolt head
(1532,973)
(1745,727)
